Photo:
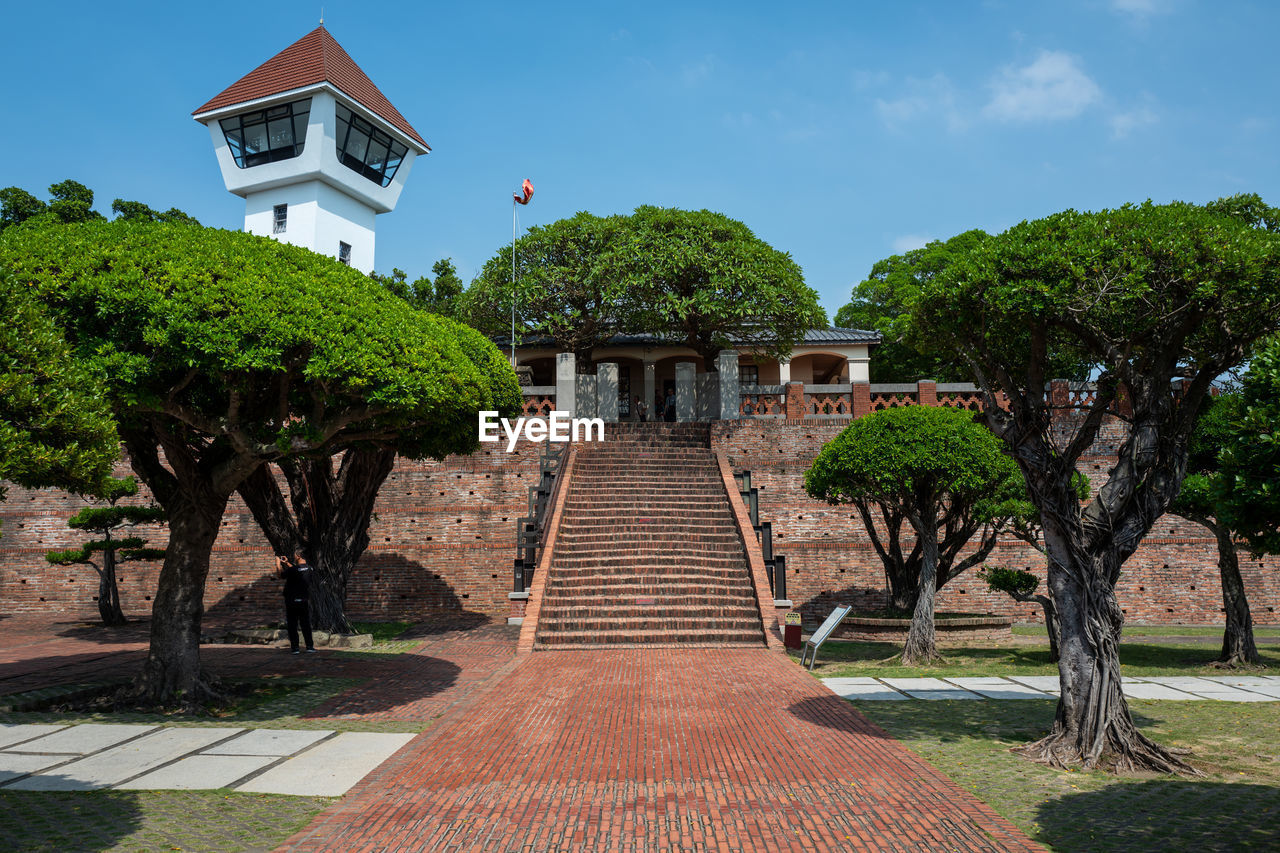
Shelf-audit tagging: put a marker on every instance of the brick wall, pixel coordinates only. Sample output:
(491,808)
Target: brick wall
(1173,577)
(444,537)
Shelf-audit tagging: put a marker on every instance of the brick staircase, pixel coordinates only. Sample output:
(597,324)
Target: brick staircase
(647,551)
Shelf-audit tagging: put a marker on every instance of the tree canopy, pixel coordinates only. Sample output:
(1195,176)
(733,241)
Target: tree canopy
(695,278)
(224,351)
(56,427)
(1248,492)
(1143,294)
(946,475)
(883,301)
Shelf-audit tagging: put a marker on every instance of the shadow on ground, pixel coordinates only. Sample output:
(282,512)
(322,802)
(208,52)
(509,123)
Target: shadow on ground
(1165,815)
(138,631)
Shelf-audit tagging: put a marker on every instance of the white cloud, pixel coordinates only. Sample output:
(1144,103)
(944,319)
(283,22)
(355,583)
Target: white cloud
(907,242)
(863,80)
(1053,87)
(933,97)
(1122,124)
(697,73)
(1142,8)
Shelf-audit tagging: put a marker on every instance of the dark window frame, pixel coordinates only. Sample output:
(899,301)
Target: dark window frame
(350,129)
(233,131)
(280,219)
(344,253)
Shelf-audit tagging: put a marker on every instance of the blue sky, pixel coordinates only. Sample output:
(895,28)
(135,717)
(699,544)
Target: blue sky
(840,132)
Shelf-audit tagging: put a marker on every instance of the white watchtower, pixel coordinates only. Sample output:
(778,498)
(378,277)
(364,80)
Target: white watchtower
(314,148)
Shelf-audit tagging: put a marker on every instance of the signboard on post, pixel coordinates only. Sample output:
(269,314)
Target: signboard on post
(825,630)
(793,618)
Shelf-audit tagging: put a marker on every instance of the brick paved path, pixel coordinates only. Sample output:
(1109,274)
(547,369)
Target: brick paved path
(658,749)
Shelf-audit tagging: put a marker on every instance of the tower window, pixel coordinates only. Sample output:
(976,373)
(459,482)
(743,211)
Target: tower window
(265,136)
(367,150)
(281,219)
(344,253)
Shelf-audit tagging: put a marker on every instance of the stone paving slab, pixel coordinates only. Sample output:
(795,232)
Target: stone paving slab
(331,768)
(82,739)
(1143,690)
(119,763)
(874,692)
(932,689)
(1044,683)
(14,766)
(999,688)
(11,733)
(274,742)
(200,771)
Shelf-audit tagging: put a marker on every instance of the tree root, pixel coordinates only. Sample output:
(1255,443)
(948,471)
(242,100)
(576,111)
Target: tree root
(1237,662)
(207,694)
(1136,754)
(922,658)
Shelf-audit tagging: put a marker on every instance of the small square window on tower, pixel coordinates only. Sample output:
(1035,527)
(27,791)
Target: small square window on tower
(344,253)
(281,219)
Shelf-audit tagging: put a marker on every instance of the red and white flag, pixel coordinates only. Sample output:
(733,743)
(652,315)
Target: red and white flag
(526,192)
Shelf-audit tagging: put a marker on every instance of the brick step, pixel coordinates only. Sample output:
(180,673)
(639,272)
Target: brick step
(550,627)
(591,598)
(706,576)
(673,524)
(701,615)
(609,491)
(679,585)
(574,502)
(721,539)
(606,560)
(710,636)
(579,647)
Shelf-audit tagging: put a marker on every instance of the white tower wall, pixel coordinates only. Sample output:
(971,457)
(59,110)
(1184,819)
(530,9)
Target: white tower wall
(319,218)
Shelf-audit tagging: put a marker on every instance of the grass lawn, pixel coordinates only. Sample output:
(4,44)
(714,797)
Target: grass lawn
(851,658)
(1235,807)
(1260,631)
(60,822)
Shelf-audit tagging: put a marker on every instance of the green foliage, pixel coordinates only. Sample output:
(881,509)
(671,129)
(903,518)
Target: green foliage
(106,520)
(707,281)
(922,458)
(56,427)
(139,212)
(1248,491)
(883,303)
(440,296)
(196,324)
(17,206)
(694,277)
(1014,582)
(1215,427)
(1113,289)
(567,287)
(72,201)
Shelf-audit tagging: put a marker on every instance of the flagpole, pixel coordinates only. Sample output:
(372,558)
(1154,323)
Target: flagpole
(513,282)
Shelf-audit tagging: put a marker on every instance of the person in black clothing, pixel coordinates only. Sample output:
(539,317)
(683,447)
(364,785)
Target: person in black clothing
(297,589)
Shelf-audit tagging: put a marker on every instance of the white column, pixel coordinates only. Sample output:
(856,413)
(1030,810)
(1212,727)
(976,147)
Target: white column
(859,369)
(730,395)
(607,392)
(685,402)
(784,371)
(566,383)
(650,389)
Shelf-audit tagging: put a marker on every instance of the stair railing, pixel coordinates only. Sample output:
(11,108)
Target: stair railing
(775,565)
(531,527)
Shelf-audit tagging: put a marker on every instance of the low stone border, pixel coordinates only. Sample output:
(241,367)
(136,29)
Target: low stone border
(268,636)
(947,630)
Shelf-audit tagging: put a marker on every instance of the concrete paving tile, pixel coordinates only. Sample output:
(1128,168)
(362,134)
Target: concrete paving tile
(121,762)
(331,768)
(999,688)
(917,683)
(12,766)
(937,695)
(1183,682)
(1155,691)
(875,692)
(1272,690)
(82,739)
(853,679)
(1234,696)
(1240,680)
(1046,683)
(199,772)
(277,742)
(18,732)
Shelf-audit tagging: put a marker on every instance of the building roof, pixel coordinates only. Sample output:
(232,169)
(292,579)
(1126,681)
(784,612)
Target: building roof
(315,58)
(812,337)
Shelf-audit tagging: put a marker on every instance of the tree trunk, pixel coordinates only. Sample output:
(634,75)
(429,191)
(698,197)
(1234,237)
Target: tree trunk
(1093,727)
(1050,625)
(172,671)
(326,517)
(109,592)
(1237,640)
(921,646)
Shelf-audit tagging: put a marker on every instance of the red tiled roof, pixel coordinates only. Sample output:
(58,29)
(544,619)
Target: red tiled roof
(314,58)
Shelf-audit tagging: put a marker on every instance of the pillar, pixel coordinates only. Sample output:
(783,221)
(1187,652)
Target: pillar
(650,390)
(859,369)
(730,385)
(794,403)
(566,383)
(784,371)
(607,392)
(685,371)
(927,392)
(860,398)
